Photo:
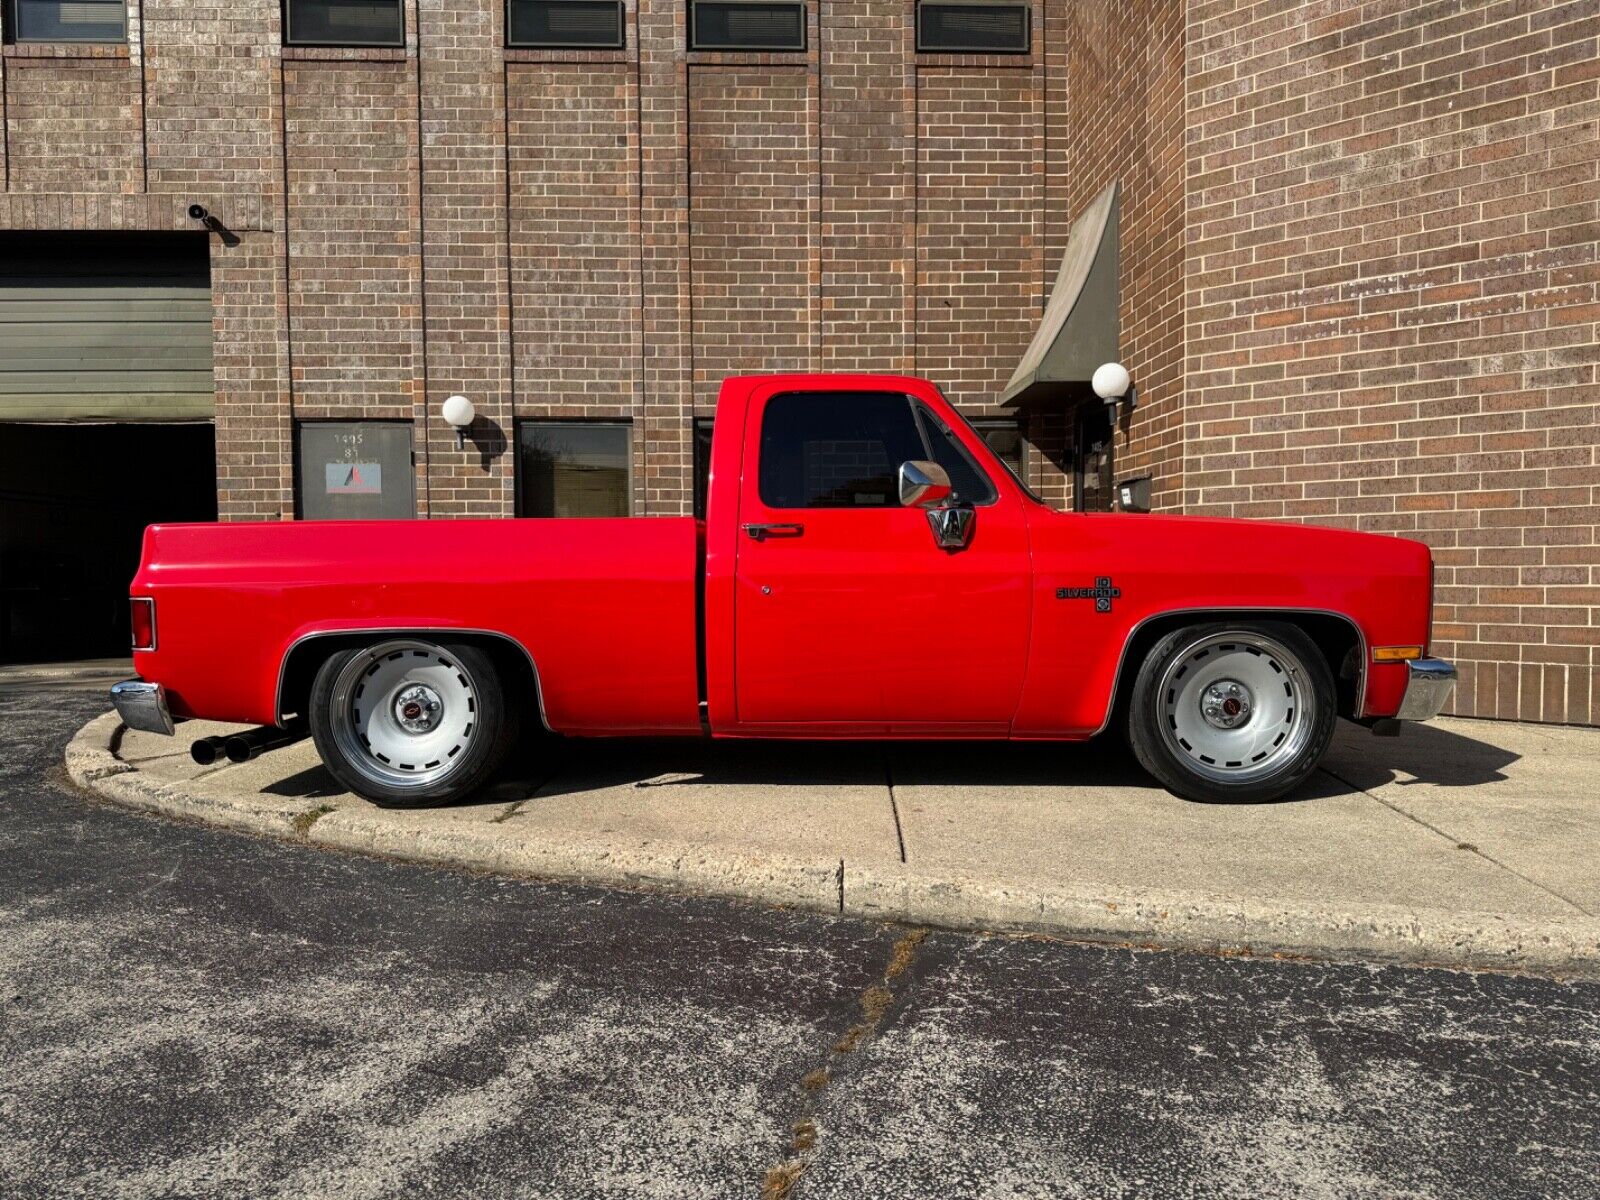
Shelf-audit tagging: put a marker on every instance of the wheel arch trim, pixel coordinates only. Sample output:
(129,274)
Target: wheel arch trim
(390,631)
(1222,612)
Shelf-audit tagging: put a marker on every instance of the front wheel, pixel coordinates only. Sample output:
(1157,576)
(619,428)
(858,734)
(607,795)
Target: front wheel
(1232,712)
(410,722)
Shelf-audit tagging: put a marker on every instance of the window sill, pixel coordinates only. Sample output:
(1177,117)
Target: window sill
(568,54)
(100,50)
(346,53)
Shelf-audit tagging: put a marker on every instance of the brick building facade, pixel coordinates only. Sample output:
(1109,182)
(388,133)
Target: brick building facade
(1358,251)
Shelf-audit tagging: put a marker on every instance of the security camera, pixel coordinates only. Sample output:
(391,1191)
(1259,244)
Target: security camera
(198,212)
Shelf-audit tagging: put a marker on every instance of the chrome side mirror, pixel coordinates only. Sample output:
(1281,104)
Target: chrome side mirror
(923,484)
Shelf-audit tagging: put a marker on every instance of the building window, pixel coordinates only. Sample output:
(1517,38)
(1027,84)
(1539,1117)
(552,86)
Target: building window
(702,464)
(974,27)
(574,469)
(1004,439)
(343,23)
(66,21)
(355,471)
(556,24)
(747,25)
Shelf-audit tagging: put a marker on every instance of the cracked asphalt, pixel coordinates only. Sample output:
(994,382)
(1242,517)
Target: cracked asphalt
(186,1012)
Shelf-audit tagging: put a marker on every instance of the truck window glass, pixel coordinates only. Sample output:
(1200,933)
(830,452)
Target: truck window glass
(968,483)
(836,449)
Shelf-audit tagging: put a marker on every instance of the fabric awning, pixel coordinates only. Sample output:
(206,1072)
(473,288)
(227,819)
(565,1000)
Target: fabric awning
(1080,327)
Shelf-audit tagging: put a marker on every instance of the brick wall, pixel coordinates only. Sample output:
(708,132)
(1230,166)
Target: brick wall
(1392,316)
(752,222)
(1125,63)
(1358,250)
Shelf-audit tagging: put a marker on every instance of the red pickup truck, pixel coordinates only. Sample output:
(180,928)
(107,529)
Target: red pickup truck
(867,568)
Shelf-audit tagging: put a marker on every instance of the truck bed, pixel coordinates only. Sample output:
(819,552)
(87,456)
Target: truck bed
(605,608)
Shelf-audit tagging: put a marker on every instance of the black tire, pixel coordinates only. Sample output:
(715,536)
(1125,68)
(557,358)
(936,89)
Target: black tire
(1188,717)
(468,740)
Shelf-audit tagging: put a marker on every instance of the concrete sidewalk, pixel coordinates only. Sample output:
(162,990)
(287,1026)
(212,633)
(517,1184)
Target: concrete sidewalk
(1466,843)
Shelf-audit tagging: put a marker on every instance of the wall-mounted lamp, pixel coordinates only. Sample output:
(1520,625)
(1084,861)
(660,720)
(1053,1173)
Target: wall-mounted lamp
(458,411)
(1113,385)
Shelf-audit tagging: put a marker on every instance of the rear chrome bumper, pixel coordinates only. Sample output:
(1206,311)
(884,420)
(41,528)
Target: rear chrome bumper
(143,706)
(1427,690)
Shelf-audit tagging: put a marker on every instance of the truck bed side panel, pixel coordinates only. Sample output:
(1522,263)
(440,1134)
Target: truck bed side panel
(605,608)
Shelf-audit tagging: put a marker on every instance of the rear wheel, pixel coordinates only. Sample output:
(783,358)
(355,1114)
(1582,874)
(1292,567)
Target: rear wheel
(410,722)
(1232,712)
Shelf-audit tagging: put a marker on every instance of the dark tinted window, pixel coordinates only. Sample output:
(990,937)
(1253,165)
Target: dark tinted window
(564,23)
(973,28)
(356,470)
(343,23)
(570,469)
(702,464)
(751,25)
(67,21)
(836,449)
(967,479)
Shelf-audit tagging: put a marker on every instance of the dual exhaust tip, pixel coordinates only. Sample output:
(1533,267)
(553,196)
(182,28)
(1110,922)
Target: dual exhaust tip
(242,747)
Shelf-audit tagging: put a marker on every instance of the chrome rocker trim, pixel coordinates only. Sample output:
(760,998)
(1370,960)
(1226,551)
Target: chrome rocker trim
(1428,688)
(143,706)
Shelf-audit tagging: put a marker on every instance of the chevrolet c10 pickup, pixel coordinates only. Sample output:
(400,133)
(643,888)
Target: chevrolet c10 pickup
(867,568)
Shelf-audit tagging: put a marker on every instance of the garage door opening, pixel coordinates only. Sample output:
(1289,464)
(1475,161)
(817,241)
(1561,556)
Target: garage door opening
(73,507)
(106,401)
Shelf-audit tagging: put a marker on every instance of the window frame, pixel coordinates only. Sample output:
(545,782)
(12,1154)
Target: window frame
(1027,26)
(805,28)
(288,40)
(518,469)
(915,406)
(622,29)
(13,28)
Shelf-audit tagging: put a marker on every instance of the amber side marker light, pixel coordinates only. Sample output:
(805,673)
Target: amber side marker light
(142,614)
(1396,653)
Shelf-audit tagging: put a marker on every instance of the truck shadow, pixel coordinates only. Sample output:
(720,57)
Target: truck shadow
(1356,762)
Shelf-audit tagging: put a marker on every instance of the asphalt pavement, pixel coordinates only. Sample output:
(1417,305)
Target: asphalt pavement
(191,1012)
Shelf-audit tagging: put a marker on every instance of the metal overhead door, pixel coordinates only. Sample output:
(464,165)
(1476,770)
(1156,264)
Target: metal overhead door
(105,327)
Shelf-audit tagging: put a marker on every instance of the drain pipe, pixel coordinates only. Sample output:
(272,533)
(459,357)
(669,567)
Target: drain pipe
(242,747)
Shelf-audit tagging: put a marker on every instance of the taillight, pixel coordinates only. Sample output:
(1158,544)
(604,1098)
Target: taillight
(143,613)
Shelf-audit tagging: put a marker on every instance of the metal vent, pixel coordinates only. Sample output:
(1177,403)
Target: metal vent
(973,28)
(344,23)
(596,24)
(751,25)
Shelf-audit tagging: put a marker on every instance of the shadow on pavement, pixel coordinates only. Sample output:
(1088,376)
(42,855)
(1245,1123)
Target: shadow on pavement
(1421,754)
(560,767)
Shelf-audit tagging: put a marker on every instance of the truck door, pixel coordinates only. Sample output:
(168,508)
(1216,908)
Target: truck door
(849,617)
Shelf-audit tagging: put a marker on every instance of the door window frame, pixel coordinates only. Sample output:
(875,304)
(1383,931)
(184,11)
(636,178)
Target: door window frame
(916,405)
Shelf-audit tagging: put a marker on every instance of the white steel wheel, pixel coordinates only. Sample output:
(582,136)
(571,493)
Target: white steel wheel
(1236,707)
(410,721)
(1233,712)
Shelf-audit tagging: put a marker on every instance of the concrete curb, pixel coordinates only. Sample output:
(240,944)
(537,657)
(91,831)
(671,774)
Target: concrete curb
(879,891)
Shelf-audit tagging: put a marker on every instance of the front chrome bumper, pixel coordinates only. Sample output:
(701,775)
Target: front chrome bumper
(143,706)
(1427,690)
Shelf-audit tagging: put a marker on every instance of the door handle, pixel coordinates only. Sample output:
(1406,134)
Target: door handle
(762,532)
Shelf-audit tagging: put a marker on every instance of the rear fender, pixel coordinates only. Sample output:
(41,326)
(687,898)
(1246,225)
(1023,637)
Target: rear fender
(299,660)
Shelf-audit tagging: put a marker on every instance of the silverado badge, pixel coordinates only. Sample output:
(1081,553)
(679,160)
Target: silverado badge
(1102,593)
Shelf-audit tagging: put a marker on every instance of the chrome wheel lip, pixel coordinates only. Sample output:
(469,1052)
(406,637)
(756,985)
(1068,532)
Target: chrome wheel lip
(1276,726)
(365,714)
